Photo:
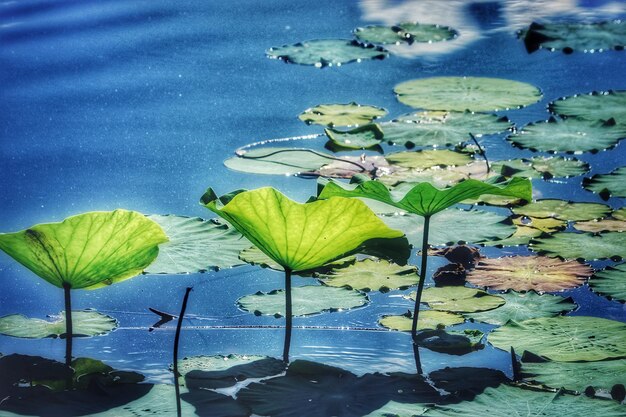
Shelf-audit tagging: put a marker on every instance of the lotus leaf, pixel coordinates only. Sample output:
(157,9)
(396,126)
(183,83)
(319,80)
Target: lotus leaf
(428,319)
(563,210)
(299,236)
(602,225)
(351,114)
(564,338)
(466,93)
(308,300)
(529,228)
(441,128)
(429,158)
(577,376)
(405,179)
(595,106)
(569,135)
(569,37)
(522,236)
(524,306)
(582,245)
(619,214)
(512,401)
(88,250)
(405,32)
(326,52)
(525,273)
(611,282)
(541,167)
(396,409)
(349,166)
(278,161)
(372,275)
(196,245)
(85,323)
(362,137)
(608,185)
(459,299)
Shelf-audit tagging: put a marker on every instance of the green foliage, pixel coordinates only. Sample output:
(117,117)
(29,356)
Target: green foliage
(581,245)
(595,106)
(351,114)
(326,52)
(85,323)
(459,299)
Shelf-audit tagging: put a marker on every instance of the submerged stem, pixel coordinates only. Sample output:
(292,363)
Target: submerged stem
(288,315)
(176,340)
(420,286)
(68,330)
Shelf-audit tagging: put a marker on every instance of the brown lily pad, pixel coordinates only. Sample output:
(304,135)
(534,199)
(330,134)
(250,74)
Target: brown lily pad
(599,226)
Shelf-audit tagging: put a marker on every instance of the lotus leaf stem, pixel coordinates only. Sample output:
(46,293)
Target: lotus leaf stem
(420,286)
(176,340)
(68,329)
(288,315)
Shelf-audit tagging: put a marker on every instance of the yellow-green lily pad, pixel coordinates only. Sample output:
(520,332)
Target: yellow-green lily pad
(350,114)
(459,299)
(372,275)
(85,323)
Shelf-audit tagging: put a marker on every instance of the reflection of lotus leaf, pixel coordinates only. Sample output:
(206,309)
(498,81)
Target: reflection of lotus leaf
(326,52)
(563,210)
(350,114)
(593,106)
(564,338)
(466,93)
(368,275)
(459,299)
(466,381)
(610,282)
(608,185)
(569,37)
(582,245)
(428,319)
(85,323)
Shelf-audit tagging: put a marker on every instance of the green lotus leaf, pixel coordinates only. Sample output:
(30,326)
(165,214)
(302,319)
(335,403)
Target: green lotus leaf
(564,338)
(529,228)
(458,299)
(278,161)
(196,245)
(582,245)
(576,376)
(326,52)
(595,106)
(299,236)
(563,210)
(428,319)
(525,273)
(569,135)
(602,225)
(349,166)
(513,401)
(362,137)
(608,185)
(307,300)
(524,306)
(541,167)
(424,199)
(351,114)
(522,236)
(466,93)
(396,409)
(569,37)
(255,256)
(372,275)
(429,158)
(405,33)
(88,250)
(403,179)
(619,214)
(86,323)
(611,282)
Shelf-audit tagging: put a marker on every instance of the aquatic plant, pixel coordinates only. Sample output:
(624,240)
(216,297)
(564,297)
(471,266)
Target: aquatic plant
(298,236)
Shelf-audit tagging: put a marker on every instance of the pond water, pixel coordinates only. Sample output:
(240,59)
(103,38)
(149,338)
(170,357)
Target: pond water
(136,104)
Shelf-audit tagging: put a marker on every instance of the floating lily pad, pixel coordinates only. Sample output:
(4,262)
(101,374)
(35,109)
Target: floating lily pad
(459,299)
(278,161)
(524,306)
(602,225)
(608,185)
(428,319)
(563,210)
(541,167)
(569,135)
(582,245)
(466,93)
(307,300)
(351,114)
(405,33)
(85,323)
(372,166)
(570,37)
(196,245)
(405,179)
(525,273)
(368,275)
(429,158)
(326,52)
(594,106)
(619,214)
(611,282)
(529,228)
(362,137)
(564,338)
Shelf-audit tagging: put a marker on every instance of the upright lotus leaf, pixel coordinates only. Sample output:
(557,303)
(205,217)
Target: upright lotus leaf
(569,135)
(459,299)
(522,306)
(608,185)
(466,93)
(255,256)
(429,158)
(363,137)
(351,114)
(602,225)
(564,338)
(569,37)
(405,33)
(563,210)
(326,52)
(610,245)
(86,323)
(594,106)
(525,273)
(611,282)
(429,319)
(372,275)
(88,250)
(541,167)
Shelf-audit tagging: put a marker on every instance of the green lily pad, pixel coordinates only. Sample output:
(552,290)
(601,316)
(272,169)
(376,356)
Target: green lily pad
(525,273)
(429,158)
(569,37)
(619,214)
(466,93)
(196,245)
(611,282)
(608,185)
(307,300)
(594,106)
(569,135)
(403,179)
(429,319)
(602,225)
(563,210)
(524,306)
(541,167)
(85,323)
(582,245)
(351,114)
(459,299)
(362,137)
(299,236)
(405,33)
(278,161)
(89,250)
(326,52)
(512,401)
(564,338)
(372,275)
(528,228)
